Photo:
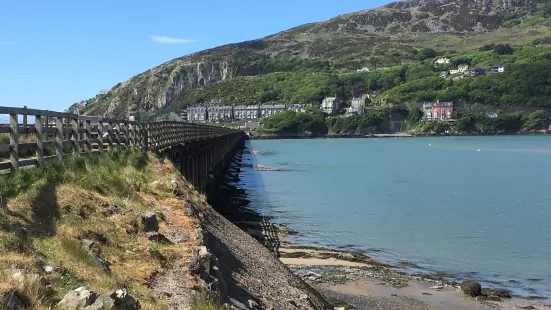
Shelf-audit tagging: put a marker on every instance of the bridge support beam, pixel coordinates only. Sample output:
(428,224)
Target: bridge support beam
(204,162)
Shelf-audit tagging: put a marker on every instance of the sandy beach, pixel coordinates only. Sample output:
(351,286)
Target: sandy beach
(354,281)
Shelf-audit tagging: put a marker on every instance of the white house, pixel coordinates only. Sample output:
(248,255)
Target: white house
(442,61)
(460,69)
(330,105)
(364,69)
(499,68)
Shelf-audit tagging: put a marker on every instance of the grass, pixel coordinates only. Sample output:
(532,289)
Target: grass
(205,304)
(62,203)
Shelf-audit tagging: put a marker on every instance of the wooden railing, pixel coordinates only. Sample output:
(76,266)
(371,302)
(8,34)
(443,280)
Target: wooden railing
(65,132)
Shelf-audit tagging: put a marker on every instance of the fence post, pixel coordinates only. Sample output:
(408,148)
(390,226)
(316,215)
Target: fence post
(39,140)
(74,135)
(110,135)
(14,142)
(100,136)
(59,138)
(88,135)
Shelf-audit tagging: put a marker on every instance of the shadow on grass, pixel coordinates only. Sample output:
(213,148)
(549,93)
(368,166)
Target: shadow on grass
(102,173)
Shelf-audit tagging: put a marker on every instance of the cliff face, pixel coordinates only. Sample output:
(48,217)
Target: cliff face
(360,38)
(156,88)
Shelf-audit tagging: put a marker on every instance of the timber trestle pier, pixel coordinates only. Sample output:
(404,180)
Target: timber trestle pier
(200,152)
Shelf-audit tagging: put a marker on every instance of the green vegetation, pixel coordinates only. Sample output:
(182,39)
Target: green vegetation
(97,197)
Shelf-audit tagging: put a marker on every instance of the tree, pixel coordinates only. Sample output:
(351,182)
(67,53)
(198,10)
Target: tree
(537,120)
(427,53)
(503,49)
(414,116)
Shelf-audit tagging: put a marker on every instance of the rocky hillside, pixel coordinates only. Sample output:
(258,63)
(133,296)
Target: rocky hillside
(382,37)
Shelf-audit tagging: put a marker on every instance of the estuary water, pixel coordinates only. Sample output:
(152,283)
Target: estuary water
(460,207)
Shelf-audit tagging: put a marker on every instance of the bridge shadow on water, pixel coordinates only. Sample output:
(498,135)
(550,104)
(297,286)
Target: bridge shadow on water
(239,197)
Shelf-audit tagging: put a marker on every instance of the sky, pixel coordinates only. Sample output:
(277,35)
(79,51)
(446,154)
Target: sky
(54,53)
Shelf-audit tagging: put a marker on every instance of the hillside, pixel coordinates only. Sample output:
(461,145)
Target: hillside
(311,61)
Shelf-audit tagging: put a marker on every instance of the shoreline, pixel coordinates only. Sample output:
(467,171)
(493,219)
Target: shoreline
(397,135)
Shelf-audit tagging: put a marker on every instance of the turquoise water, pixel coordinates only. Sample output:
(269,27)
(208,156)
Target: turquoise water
(435,202)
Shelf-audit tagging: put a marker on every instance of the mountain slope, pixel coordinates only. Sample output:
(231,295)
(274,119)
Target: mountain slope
(318,52)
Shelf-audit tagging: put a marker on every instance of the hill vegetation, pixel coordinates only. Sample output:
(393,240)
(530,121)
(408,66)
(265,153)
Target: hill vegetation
(399,43)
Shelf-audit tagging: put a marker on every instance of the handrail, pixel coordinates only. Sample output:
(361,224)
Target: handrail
(85,134)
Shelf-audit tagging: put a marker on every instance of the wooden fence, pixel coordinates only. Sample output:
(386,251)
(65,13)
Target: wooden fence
(85,134)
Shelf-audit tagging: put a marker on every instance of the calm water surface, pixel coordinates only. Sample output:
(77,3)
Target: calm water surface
(436,202)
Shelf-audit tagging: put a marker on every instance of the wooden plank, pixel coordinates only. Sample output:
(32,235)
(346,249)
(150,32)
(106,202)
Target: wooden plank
(100,137)
(5,165)
(14,142)
(27,162)
(88,135)
(4,149)
(49,130)
(27,146)
(4,129)
(74,135)
(59,138)
(39,140)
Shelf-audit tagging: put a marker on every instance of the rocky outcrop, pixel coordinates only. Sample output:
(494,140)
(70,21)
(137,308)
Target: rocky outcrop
(84,298)
(471,288)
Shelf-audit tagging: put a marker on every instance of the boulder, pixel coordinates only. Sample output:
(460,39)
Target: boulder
(471,288)
(124,301)
(86,299)
(158,238)
(82,298)
(150,222)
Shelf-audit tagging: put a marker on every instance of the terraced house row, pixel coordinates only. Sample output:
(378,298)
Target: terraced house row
(230,113)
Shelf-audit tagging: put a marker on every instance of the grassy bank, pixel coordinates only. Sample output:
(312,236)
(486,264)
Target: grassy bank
(47,212)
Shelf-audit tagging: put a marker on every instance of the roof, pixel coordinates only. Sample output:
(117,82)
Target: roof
(498,65)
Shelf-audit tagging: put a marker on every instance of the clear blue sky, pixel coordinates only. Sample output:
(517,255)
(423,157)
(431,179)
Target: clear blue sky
(55,53)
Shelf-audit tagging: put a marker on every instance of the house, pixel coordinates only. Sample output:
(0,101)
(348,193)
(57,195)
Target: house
(475,72)
(104,91)
(460,69)
(364,69)
(246,112)
(298,107)
(220,113)
(442,61)
(442,111)
(269,110)
(491,115)
(426,108)
(443,74)
(197,114)
(357,106)
(330,105)
(497,69)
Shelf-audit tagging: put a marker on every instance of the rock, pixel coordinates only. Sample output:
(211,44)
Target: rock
(527,307)
(124,301)
(159,238)
(91,246)
(150,222)
(18,229)
(339,308)
(252,304)
(502,293)
(471,288)
(437,287)
(303,297)
(81,298)
(49,269)
(12,301)
(20,275)
(102,262)
(235,304)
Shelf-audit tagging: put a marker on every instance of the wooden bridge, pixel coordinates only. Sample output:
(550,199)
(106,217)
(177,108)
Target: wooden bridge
(197,150)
